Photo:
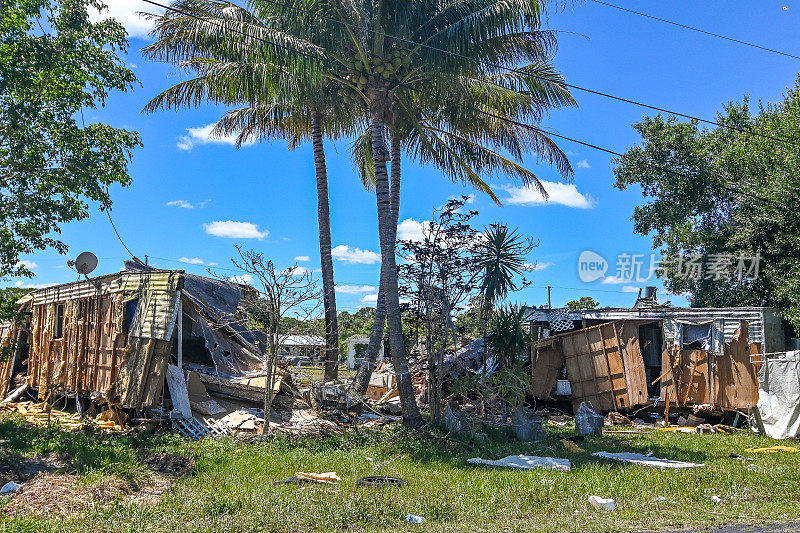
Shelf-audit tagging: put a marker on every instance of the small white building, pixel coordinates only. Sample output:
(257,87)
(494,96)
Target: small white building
(354,341)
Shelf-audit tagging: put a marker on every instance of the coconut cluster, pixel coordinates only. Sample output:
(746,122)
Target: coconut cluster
(373,70)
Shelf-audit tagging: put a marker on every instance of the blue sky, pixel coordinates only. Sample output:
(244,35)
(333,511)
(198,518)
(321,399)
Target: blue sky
(193,198)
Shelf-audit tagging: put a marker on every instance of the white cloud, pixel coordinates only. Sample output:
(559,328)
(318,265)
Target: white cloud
(296,271)
(355,255)
(25,285)
(630,288)
(583,164)
(188,205)
(244,279)
(28,264)
(127,13)
(369,299)
(196,261)
(613,280)
(412,230)
(230,229)
(183,204)
(558,193)
(202,135)
(538,266)
(302,258)
(355,289)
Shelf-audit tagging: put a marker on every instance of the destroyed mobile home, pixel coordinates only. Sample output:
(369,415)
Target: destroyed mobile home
(143,345)
(625,359)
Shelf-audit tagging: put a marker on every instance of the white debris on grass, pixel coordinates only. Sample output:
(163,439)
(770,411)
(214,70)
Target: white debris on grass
(525,462)
(646,460)
(607,504)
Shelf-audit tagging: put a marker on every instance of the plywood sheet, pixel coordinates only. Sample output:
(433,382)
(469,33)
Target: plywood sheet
(546,362)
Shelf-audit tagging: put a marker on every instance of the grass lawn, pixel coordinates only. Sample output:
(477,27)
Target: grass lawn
(229,486)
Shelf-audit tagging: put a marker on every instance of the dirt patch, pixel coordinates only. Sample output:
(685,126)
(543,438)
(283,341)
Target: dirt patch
(14,468)
(46,492)
(63,495)
(170,465)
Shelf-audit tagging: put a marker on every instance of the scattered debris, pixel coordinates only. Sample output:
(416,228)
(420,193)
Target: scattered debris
(456,420)
(646,460)
(571,446)
(740,457)
(330,478)
(702,408)
(63,495)
(381,481)
(607,504)
(199,398)
(527,425)
(587,421)
(42,414)
(525,462)
(415,519)
(773,449)
(189,427)
(716,499)
(615,418)
(11,486)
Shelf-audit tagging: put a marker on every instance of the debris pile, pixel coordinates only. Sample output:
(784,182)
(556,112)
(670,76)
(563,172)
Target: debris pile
(43,414)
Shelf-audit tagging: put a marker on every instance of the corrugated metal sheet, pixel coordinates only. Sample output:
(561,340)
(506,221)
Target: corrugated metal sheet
(156,314)
(157,280)
(730,318)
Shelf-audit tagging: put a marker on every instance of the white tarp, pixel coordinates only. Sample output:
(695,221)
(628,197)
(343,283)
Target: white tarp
(524,462)
(646,460)
(779,395)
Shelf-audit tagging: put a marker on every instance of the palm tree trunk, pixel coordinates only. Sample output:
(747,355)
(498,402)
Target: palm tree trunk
(361,381)
(324,221)
(387,234)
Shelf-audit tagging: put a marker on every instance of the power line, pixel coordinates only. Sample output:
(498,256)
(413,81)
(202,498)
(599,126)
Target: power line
(108,212)
(492,115)
(485,63)
(732,39)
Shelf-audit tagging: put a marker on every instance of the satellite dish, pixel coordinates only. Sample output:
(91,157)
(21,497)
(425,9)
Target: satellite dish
(85,263)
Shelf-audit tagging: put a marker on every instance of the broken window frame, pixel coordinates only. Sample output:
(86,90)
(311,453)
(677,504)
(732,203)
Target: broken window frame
(58,321)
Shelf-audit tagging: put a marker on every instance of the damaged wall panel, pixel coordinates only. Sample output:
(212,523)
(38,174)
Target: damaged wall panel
(546,362)
(604,364)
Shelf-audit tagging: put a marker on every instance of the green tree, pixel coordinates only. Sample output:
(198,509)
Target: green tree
(720,197)
(236,67)
(585,302)
(54,63)
(9,310)
(305,45)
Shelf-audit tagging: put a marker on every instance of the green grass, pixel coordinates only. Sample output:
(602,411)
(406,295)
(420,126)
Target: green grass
(232,485)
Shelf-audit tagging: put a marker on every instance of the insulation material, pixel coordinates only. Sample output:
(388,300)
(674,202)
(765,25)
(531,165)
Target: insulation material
(779,395)
(525,462)
(9,352)
(646,460)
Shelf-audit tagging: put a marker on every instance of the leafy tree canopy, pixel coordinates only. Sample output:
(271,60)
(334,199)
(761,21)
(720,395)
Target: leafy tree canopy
(585,302)
(54,63)
(8,302)
(731,197)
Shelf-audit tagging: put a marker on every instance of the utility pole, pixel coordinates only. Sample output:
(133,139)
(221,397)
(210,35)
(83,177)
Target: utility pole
(549,304)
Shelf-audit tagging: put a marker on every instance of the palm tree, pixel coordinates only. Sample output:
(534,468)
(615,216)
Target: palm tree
(501,256)
(248,74)
(282,49)
(457,148)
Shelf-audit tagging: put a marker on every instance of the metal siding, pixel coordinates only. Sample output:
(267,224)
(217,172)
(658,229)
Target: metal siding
(731,317)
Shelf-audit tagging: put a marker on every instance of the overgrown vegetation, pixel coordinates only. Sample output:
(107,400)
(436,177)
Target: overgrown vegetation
(231,487)
(733,200)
